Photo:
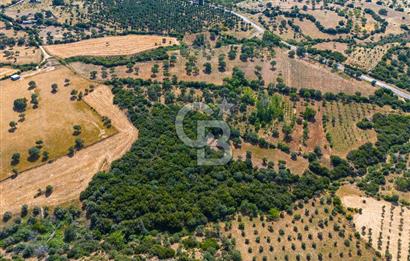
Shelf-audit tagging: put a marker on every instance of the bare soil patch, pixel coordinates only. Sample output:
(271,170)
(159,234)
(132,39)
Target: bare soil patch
(110,46)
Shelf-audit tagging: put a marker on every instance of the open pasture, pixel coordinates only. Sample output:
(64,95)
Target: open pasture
(46,125)
(69,176)
(111,46)
(20,55)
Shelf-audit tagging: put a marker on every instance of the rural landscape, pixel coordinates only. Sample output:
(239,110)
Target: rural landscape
(252,130)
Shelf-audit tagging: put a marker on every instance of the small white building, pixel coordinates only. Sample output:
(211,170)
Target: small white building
(15,77)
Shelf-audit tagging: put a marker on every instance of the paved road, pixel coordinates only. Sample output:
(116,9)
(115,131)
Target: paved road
(16,3)
(258,28)
(364,77)
(381,84)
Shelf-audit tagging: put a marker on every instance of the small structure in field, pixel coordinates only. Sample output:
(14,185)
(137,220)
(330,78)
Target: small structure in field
(15,77)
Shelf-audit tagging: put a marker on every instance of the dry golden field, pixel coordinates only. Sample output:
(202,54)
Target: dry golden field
(6,71)
(20,55)
(51,122)
(111,46)
(384,225)
(70,175)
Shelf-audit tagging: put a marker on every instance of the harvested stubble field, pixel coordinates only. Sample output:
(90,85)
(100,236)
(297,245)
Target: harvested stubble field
(51,122)
(111,46)
(70,175)
(384,225)
(310,233)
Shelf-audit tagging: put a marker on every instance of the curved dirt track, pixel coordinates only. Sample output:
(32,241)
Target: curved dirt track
(71,175)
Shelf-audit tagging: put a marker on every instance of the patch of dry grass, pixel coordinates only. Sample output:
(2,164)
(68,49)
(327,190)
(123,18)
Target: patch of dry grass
(52,122)
(111,46)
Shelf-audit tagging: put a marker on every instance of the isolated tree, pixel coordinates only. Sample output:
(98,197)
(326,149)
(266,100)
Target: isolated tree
(71,151)
(273,65)
(221,63)
(22,117)
(93,75)
(45,156)
(13,126)
(207,68)
(32,85)
(34,154)
(79,143)
(49,190)
(129,67)
(291,54)
(287,130)
(34,100)
(309,114)
(54,88)
(6,216)
(154,70)
(20,105)
(15,158)
(24,210)
(77,130)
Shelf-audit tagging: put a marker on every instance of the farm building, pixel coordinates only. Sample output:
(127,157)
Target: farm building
(15,77)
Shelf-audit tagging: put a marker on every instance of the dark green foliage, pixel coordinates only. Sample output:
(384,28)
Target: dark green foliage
(199,41)
(338,57)
(309,114)
(365,124)
(159,16)
(58,2)
(403,183)
(20,105)
(394,67)
(157,54)
(138,196)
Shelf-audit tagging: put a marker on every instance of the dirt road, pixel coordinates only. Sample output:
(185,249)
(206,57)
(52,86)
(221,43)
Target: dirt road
(71,175)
